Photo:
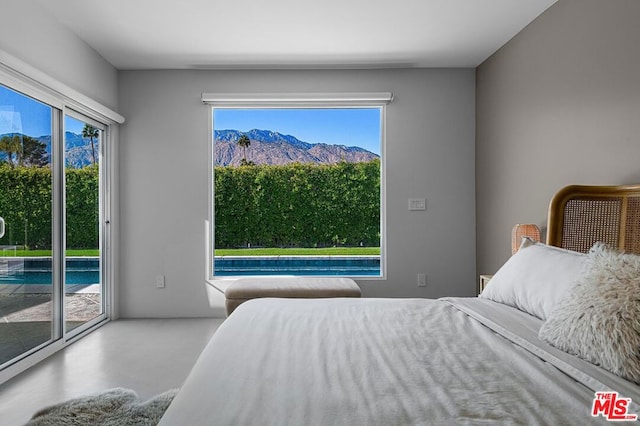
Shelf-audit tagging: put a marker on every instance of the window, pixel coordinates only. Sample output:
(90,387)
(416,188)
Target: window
(297,187)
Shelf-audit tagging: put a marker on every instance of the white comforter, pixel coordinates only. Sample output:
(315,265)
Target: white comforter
(386,362)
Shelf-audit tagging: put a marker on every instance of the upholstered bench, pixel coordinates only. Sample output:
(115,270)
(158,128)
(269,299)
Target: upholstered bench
(245,289)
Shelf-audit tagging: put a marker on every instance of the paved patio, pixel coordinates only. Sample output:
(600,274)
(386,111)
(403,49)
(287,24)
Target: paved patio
(25,319)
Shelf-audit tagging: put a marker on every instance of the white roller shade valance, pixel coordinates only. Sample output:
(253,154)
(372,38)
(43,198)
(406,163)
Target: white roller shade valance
(297,99)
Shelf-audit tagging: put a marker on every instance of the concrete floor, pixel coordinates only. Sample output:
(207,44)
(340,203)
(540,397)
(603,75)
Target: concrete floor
(149,356)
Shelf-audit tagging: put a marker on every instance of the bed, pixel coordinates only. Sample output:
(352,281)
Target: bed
(552,340)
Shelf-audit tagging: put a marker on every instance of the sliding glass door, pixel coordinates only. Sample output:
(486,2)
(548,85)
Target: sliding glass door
(83,296)
(27,292)
(52,227)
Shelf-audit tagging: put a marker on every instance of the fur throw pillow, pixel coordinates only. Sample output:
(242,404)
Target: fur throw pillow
(599,319)
(114,407)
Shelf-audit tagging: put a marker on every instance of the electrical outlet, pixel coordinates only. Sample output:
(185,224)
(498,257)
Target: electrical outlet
(422,280)
(160,281)
(417,204)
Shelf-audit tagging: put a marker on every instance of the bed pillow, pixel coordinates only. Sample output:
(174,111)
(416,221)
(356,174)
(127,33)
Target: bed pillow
(535,278)
(599,319)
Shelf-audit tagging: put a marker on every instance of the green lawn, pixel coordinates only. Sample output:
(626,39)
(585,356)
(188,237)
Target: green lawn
(326,251)
(38,253)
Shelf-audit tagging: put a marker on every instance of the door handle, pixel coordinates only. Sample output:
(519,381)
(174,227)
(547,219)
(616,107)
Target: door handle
(1,227)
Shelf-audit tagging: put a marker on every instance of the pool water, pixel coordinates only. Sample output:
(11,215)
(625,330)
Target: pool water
(87,270)
(43,277)
(352,266)
(38,271)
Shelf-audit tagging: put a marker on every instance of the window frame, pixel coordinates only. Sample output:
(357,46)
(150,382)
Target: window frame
(293,101)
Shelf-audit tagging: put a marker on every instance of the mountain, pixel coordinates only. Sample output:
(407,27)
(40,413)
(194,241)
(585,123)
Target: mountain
(269,147)
(77,149)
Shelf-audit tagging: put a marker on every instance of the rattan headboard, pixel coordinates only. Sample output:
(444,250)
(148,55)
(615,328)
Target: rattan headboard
(581,215)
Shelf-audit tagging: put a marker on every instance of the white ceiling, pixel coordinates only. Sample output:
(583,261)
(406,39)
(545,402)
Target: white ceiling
(171,34)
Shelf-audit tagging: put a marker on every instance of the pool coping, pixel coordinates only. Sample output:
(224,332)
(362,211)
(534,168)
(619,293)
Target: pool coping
(13,289)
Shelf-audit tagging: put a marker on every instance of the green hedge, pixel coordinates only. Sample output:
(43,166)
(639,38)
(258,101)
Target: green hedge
(25,205)
(83,207)
(298,205)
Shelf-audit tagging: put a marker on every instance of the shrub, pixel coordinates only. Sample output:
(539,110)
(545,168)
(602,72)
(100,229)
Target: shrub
(297,205)
(25,205)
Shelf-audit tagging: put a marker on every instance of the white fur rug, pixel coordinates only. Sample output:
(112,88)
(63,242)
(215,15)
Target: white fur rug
(114,407)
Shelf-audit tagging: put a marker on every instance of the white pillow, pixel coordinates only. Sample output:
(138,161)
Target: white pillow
(599,319)
(535,278)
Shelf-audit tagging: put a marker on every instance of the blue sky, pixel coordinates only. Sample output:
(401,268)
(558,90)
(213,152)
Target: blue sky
(21,114)
(342,126)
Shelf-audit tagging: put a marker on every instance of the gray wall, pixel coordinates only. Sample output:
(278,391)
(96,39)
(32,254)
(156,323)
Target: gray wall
(29,33)
(558,105)
(163,165)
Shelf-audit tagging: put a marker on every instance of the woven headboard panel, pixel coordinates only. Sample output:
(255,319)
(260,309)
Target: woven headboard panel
(581,215)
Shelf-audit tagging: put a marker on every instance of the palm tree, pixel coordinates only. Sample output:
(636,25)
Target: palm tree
(91,132)
(244,142)
(10,144)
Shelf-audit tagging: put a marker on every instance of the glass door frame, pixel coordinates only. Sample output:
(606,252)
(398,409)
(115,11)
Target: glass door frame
(21,78)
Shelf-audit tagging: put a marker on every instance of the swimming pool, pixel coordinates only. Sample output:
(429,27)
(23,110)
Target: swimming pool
(37,270)
(352,266)
(86,270)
